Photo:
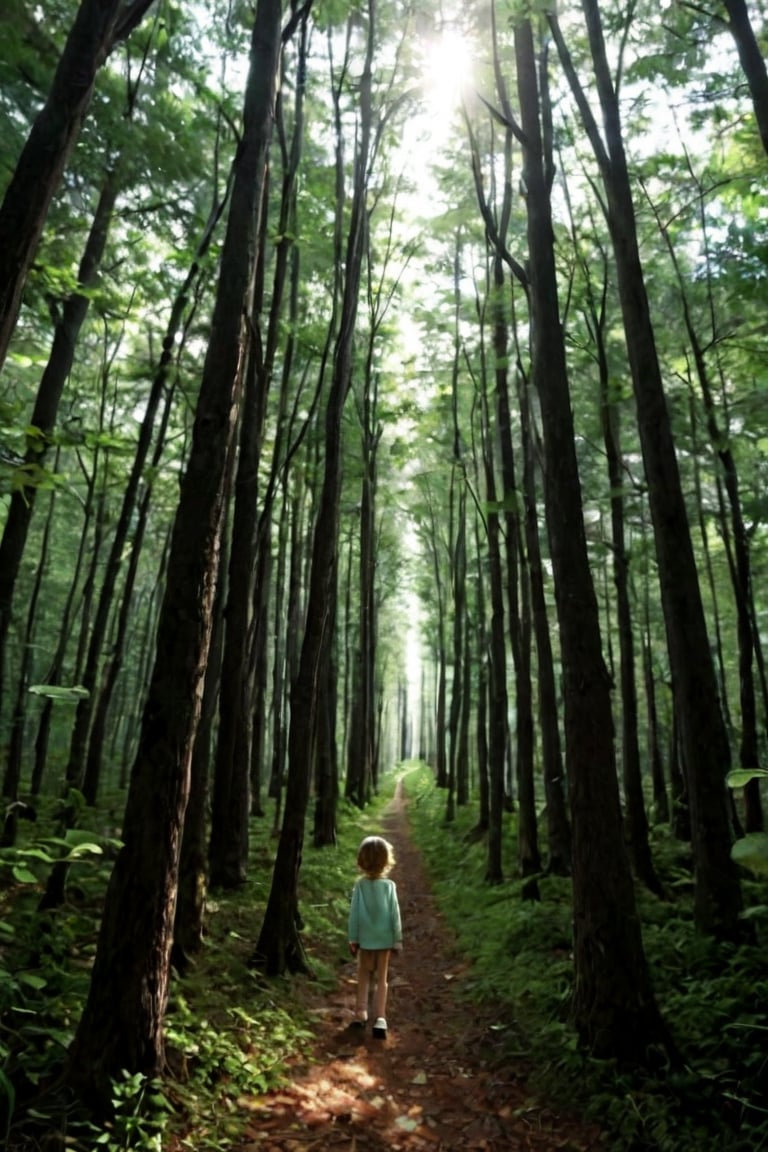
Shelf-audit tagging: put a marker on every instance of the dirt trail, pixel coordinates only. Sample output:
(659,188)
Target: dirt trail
(428,1085)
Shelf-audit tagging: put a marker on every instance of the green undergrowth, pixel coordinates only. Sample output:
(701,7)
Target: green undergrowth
(229,1030)
(713,997)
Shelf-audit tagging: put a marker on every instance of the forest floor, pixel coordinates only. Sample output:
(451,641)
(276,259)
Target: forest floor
(437,1082)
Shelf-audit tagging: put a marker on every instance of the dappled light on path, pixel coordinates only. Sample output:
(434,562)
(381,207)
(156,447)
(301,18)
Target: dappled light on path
(436,1082)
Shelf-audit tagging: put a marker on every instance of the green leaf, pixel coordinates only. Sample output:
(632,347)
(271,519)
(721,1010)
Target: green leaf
(756,912)
(10,1094)
(752,852)
(31,980)
(84,850)
(741,776)
(59,692)
(23,875)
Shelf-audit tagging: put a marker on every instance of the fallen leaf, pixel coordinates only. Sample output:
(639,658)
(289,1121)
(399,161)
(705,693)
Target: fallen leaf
(406,1123)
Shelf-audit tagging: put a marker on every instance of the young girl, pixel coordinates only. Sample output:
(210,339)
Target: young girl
(374,928)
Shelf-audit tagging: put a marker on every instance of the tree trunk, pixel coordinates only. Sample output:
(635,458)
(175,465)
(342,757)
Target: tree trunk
(614,1010)
(660,798)
(189,920)
(462,759)
(751,61)
(480,639)
(230,800)
(260,670)
(12,775)
(121,1026)
(279,946)
(241,662)
(279,647)
(635,817)
(498,724)
(55,376)
(717,898)
(326,765)
(360,770)
(458,583)
(558,825)
(529,859)
(681,810)
(738,551)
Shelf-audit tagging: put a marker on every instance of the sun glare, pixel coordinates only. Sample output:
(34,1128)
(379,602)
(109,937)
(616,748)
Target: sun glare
(447,73)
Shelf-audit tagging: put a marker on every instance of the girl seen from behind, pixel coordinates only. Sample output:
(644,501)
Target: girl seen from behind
(375,929)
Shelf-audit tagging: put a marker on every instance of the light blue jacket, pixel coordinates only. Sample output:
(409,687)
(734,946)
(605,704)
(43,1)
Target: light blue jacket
(374,914)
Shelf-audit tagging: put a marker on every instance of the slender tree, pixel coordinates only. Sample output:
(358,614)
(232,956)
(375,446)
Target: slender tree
(279,946)
(498,703)
(703,734)
(740,27)
(614,1009)
(71,317)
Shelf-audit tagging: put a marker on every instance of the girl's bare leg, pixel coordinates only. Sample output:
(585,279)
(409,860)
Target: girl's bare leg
(363,984)
(382,987)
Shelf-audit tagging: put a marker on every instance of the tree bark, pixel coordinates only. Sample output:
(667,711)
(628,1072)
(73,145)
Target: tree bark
(635,816)
(558,826)
(279,947)
(717,898)
(498,723)
(751,61)
(529,859)
(614,1009)
(189,920)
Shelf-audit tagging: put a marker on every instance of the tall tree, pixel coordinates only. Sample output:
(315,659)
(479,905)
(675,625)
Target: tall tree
(498,701)
(279,945)
(245,641)
(517,576)
(635,817)
(122,1023)
(704,738)
(736,536)
(614,1009)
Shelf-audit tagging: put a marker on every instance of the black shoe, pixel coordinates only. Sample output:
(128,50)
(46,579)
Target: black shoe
(357,1026)
(380,1029)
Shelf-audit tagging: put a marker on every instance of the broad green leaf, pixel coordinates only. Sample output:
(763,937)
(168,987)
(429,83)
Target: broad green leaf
(741,776)
(37,854)
(752,852)
(85,850)
(756,912)
(32,980)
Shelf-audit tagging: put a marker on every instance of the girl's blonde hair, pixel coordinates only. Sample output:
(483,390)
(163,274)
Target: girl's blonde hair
(375,856)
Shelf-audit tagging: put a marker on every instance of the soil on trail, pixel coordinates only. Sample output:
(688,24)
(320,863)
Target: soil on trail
(432,1084)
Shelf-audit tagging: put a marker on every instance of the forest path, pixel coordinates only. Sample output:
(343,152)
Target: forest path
(429,1084)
